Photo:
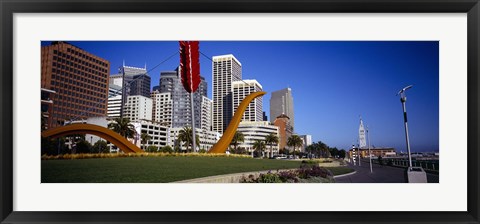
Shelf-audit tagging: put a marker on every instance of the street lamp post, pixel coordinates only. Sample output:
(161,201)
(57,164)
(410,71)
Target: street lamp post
(370,154)
(403,99)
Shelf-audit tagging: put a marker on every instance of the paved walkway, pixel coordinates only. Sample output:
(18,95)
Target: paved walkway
(380,174)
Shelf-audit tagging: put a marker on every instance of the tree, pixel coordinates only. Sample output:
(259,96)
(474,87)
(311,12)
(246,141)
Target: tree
(310,149)
(83,146)
(101,147)
(237,138)
(294,141)
(53,146)
(145,138)
(123,127)
(185,135)
(259,145)
(271,139)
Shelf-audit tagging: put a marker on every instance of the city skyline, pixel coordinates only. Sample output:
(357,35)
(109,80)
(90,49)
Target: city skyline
(327,81)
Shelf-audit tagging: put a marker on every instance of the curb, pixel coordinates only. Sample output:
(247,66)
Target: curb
(344,175)
(211,179)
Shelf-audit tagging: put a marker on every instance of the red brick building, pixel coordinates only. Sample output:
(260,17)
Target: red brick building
(79,79)
(285,130)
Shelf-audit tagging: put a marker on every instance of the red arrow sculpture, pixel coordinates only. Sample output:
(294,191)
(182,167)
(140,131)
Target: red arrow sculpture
(189,65)
(190,75)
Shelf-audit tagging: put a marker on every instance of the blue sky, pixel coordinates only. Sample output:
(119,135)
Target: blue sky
(333,82)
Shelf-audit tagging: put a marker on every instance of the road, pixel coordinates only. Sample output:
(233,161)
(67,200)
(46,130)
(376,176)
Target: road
(380,174)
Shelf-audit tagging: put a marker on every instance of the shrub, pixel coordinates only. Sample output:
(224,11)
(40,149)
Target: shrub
(166,149)
(290,176)
(269,178)
(306,172)
(142,154)
(151,148)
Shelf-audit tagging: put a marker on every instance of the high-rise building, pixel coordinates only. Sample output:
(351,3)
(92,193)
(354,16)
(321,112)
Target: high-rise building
(162,108)
(281,102)
(207,109)
(265,117)
(137,81)
(285,130)
(170,82)
(307,140)
(114,101)
(225,70)
(80,80)
(138,108)
(242,89)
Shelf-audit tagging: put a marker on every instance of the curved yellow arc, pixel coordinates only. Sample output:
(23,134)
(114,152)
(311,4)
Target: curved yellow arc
(102,132)
(222,144)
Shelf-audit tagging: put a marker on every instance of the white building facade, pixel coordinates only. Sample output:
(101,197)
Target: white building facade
(242,89)
(162,108)
(206,114)
(307,140)
(207,139)
(158,134)
(225,70)
(114,104)
(138,108)
(257,130)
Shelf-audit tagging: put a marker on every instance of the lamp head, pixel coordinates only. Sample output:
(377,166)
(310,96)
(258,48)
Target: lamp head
(404,89)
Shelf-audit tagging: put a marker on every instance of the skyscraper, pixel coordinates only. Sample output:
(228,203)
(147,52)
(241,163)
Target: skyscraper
(114,100)
(242,89)
(137,81)
(281,102)
(162,108)
(225,70)
(170,82)
(207,109)
(80,80)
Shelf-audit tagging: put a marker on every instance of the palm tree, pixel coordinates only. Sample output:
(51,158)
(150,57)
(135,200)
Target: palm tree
(145,138)
(294,141)
(123,127)
(185,135)
(237,138)
(271,139)
(259,145)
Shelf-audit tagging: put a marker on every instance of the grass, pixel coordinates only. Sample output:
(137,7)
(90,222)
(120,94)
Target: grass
(156,169)
(151,169)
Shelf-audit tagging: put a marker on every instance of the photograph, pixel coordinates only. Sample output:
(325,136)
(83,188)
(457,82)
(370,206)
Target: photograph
(190,111)
(239,111)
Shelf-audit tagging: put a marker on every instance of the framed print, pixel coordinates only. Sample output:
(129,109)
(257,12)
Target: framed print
(311,82)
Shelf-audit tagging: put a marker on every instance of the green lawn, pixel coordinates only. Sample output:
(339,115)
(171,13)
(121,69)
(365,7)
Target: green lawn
(155,169)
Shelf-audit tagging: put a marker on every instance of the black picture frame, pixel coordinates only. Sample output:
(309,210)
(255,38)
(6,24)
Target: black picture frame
(9,7)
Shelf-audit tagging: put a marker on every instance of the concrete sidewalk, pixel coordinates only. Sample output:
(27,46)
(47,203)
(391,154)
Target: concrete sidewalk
(380,174)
